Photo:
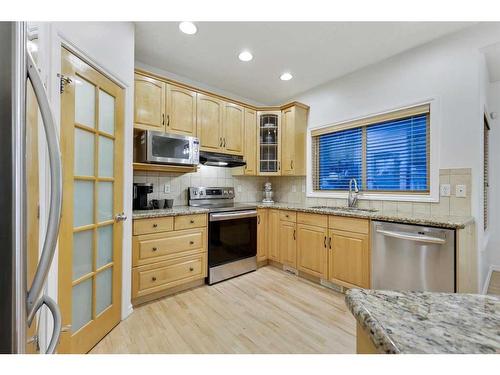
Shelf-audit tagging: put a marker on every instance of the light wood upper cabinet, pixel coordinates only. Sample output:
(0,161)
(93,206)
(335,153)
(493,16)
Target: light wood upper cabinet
(312,251)
(180,110)
(149,103)
(293,138)
(288,243)
(349,259)
(262,243)
(209,122)
(250,141)
(273,250)
(233,128)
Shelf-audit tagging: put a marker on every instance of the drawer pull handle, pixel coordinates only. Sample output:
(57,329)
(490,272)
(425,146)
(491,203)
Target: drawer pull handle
(154,249)
(153,278)
(287,216)
(155,225)
(191,221)
(191,269)
(191,242)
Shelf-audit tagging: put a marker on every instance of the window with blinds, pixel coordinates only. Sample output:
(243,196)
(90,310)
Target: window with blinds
(386,153)
(486,169)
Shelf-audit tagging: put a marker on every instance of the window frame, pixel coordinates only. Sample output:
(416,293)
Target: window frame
(402,111)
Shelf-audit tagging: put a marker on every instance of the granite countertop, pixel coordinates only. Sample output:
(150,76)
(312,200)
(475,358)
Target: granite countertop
(175,211)
(452,222)
(424,322)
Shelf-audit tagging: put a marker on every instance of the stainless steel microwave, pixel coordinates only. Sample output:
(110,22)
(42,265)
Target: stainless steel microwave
(167,148)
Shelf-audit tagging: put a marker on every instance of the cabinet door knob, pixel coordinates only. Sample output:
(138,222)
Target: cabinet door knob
(155,225)
(191,221)
(153,278)
(294,234)
(191,269)
(191,242)
(154,249)
(330,242)
(324,242)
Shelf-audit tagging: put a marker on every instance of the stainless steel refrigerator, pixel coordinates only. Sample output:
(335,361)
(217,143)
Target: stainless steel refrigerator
(22,297)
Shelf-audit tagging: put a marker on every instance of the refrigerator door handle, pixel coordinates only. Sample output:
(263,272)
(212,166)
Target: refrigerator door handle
(56,315)
(54,217)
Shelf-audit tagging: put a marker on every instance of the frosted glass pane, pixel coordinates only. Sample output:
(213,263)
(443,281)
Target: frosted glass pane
(83,209)
(82,305)
(106,157)
(84,103)
(104,245)
(105,201)
(82,253)
(103,290)
(106,112)
(84,153)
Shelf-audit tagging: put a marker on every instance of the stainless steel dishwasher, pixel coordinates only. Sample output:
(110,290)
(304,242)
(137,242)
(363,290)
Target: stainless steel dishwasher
(412,257)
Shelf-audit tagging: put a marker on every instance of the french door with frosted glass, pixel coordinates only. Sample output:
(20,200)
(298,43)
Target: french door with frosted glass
(90,242)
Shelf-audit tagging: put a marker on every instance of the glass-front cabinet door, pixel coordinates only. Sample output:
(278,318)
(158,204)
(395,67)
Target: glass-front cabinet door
(269,143)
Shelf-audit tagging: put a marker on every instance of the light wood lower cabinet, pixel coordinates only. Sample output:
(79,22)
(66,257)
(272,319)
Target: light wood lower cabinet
(167,253)
(349,259)
(312,251)
(288,243)
(273,249)
(262,243)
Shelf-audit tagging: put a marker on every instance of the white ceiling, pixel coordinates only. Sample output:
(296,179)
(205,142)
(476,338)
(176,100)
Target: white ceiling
(314,52)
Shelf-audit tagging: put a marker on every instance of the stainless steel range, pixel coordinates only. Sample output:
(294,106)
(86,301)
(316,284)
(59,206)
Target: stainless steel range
(232,232)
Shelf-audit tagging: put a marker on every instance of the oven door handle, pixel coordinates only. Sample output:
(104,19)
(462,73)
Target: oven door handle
(233,215)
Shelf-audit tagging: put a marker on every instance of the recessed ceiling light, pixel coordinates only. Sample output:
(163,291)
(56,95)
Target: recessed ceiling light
(245,56)
(188,27)
(286,77)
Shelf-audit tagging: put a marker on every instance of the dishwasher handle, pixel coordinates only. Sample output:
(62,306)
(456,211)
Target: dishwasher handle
(412,237)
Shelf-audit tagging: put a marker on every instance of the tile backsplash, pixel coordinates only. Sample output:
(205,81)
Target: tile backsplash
(293,190)
(248,189)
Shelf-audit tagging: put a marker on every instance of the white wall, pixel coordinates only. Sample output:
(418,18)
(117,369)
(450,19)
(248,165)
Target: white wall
(492,251)
(110,47)
(448,69)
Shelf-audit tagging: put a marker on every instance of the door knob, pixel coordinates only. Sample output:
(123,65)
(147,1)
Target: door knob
(120,217)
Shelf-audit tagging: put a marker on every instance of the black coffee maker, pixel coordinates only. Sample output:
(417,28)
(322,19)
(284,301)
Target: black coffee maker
(141,191)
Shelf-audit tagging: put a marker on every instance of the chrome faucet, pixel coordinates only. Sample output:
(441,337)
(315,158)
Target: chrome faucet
(352,198)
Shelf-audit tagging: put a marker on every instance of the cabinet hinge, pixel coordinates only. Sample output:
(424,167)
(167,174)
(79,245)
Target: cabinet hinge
(63,81)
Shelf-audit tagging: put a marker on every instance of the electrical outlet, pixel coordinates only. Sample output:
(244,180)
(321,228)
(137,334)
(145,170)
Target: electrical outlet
(445,190)
(461,191)
(239,189)
(166,188)
(294,188)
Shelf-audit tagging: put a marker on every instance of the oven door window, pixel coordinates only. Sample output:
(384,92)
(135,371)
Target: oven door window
(232,240)
(172,148)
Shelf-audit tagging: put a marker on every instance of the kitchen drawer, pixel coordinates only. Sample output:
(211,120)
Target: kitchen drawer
(190,221)
(156,247)
(350,224)
(154,225)
(317,220)
(288,216)
(163,275)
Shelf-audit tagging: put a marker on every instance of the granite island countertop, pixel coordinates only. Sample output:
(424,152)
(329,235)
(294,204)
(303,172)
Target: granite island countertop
(174,211)
(424,322)
(441,221)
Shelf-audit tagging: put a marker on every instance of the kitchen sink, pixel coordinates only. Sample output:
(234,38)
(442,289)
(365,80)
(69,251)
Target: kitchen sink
(352,209)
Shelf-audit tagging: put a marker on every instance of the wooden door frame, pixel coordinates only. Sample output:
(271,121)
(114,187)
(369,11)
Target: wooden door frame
(66,232)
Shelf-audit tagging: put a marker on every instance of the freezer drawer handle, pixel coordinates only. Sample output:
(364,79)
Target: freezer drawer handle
(412,237)
(56,315)
(54,217)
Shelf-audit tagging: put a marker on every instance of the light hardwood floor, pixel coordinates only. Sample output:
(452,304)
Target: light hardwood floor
(267,311)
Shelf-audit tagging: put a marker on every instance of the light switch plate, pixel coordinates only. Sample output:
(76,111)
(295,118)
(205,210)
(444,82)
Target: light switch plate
(461,191)
(166,188)
(445,190)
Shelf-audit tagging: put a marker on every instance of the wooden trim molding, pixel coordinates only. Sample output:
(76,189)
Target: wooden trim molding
(222,97)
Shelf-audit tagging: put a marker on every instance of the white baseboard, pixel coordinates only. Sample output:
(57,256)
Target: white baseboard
(488,278)
(127,312)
